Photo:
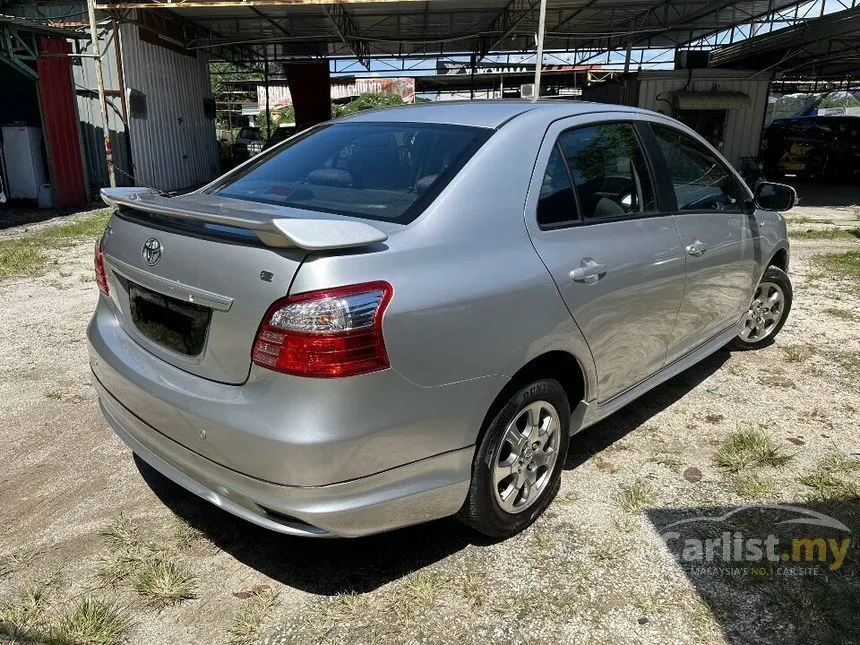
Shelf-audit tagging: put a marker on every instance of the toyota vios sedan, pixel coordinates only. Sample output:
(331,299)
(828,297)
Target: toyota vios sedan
(405,314)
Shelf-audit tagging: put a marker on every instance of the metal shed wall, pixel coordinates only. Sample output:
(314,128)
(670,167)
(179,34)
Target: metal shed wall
(743,126)
(60,122)
(175,146)
(89,112)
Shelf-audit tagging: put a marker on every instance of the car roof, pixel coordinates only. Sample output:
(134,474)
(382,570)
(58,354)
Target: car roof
(483,113)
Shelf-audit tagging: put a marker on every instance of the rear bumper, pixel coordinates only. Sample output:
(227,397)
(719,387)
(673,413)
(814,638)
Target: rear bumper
(418,492)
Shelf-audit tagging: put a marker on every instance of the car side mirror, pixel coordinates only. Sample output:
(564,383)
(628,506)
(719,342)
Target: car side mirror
(774,197)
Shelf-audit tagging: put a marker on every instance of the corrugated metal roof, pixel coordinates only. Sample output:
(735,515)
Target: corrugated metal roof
(294,28)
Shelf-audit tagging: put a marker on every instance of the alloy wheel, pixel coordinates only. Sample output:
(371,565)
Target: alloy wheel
(765,312)
(524,460)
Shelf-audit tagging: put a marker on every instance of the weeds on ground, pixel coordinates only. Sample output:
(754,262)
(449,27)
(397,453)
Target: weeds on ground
(796,353)
(156,578)
(162,583)
(23,618)
(245,628)
(846,265)
(93,622)
(750,448)
(836,477)
(825,234)
(842,314)
(474,589)
(17,560)
(26,255)
(636,496)
(754,487)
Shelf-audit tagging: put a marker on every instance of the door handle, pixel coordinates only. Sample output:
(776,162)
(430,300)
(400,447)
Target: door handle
(696,248)
(588,271)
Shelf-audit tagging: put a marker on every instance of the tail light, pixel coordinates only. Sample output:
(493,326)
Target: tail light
(101,275)
(326,334)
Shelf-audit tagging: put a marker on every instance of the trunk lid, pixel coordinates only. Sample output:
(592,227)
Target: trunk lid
(192,277)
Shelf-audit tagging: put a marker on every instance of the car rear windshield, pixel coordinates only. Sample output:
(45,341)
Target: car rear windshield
(382,171)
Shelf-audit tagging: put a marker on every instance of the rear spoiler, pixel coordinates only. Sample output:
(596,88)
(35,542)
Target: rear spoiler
(311,233)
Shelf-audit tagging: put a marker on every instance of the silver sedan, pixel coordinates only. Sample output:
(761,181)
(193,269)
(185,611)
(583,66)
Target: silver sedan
(406,314)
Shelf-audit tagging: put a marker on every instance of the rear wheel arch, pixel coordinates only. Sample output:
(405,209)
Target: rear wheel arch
(558,365)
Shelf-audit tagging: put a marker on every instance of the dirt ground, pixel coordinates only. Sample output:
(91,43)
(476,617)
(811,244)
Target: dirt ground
(80,517)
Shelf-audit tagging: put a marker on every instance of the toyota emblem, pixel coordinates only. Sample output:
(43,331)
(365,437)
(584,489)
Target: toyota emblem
(151,251)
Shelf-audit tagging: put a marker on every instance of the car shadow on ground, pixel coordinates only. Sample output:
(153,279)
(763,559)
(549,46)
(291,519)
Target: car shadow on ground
(328,567)
(318,566)
(824,194)
(602,435)
(790,574)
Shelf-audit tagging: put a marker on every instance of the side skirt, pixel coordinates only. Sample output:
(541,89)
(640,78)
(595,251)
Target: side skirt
(588,413)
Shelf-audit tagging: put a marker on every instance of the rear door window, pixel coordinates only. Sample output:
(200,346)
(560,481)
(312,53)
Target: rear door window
(557,203)
(383,171)
(610,172)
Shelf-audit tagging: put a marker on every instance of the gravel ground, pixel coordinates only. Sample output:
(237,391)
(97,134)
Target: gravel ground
(593,569)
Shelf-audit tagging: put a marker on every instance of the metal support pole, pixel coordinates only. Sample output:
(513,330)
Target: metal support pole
(266,85)
(100,81)
(539,56)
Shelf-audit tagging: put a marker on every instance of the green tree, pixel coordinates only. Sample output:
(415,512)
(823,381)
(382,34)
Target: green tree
(367,101)
(839,99)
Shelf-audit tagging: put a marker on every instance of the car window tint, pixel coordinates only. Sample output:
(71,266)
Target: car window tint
(556,204)
(609,170)
(371,170)
(701,181)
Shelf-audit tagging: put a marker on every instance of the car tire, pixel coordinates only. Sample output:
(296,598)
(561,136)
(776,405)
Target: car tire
(769,309)
(517,467)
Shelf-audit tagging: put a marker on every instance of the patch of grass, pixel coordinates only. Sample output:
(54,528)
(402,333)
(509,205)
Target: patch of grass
(163,583)
(22,618)
(736,368)
(820,611)
(650,604)
(17,560)
(668,459)
(826,234)
(842,314)
(245,628)
(846,265)
(611,550)
(327,613)
(121,565)
(474,589)
(419,592)
(121,533)
(750,448)
(542,537)
(91,622)
(835,477)
(754,487)
(28,254)
(796,353)
(636,496)
(184,535)
(624,523)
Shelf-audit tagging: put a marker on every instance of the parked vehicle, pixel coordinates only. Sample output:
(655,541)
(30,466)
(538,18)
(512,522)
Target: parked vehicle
(812,147)
(281,133)
(249,142)
(405,314)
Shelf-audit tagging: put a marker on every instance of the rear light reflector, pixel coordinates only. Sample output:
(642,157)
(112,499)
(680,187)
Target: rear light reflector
(101,274)
(326,334)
